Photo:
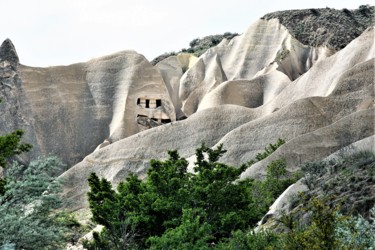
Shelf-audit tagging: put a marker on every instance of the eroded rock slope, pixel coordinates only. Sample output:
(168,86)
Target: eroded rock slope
(327,108)
(71,110)
(113,114)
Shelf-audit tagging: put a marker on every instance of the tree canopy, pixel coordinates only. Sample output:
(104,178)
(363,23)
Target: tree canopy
(28,216)
(176,209)
(29,199)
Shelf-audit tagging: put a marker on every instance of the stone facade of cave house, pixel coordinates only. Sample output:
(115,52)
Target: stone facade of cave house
(151,112)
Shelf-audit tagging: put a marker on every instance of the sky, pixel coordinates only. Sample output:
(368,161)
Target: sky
(62,32)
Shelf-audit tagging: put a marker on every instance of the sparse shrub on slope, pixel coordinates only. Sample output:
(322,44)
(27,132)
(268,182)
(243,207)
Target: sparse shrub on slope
(316,224)
(333,214)
(269,149)
(326,27)
(198,46)
(349,178)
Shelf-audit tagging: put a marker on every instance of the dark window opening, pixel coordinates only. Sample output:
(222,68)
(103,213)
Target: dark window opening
(147,103)
(165,120)
(158,103)
(154,119)
(138,101)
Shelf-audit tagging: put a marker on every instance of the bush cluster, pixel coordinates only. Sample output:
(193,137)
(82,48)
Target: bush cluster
(175,209)
(325,229)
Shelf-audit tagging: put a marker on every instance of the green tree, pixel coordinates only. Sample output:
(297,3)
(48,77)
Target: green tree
(107,209)
(10,145)
(28,216)
(157,204)
(193,233)
(2,186)
(244,240)
(178,209)
(227,202)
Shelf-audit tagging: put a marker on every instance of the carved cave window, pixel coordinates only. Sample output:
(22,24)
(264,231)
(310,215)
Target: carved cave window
(149,103)
(165,120)
(158,103)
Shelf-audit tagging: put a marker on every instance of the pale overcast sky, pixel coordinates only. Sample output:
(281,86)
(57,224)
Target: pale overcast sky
(61,32)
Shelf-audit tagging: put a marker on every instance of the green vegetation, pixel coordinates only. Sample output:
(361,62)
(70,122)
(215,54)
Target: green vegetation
(28,216)
(29,199)
(10,145)
(326,27)
(350,178)
(357,232)
(281,55)
(175,209)
(324,228)
(198,46)
(319,232)
(269,149)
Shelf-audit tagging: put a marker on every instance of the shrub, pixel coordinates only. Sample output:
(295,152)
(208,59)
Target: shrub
(198,46)
(244,240)
(10,145)
(28,215)
(269,150)
(357,232)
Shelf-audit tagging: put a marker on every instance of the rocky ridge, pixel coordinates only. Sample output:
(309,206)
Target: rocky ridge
(326,27)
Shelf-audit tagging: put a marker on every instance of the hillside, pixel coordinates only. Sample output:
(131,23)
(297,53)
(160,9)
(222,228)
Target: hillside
(326,27)
(198,46)
(306,76)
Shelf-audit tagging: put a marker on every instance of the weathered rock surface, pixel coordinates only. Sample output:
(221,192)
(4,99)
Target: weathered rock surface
(346,78)
(284,203)
(132,154)
(172,70)
(70,110)
(118,111)
(320,143)
(8,54)
(328,108)
(14,107)
(326,27)
(265,53)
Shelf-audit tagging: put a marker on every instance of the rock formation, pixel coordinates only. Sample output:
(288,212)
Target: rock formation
(264,60)
(70,110)
(113,114)
(8,54)
(326,27)
(172,70)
